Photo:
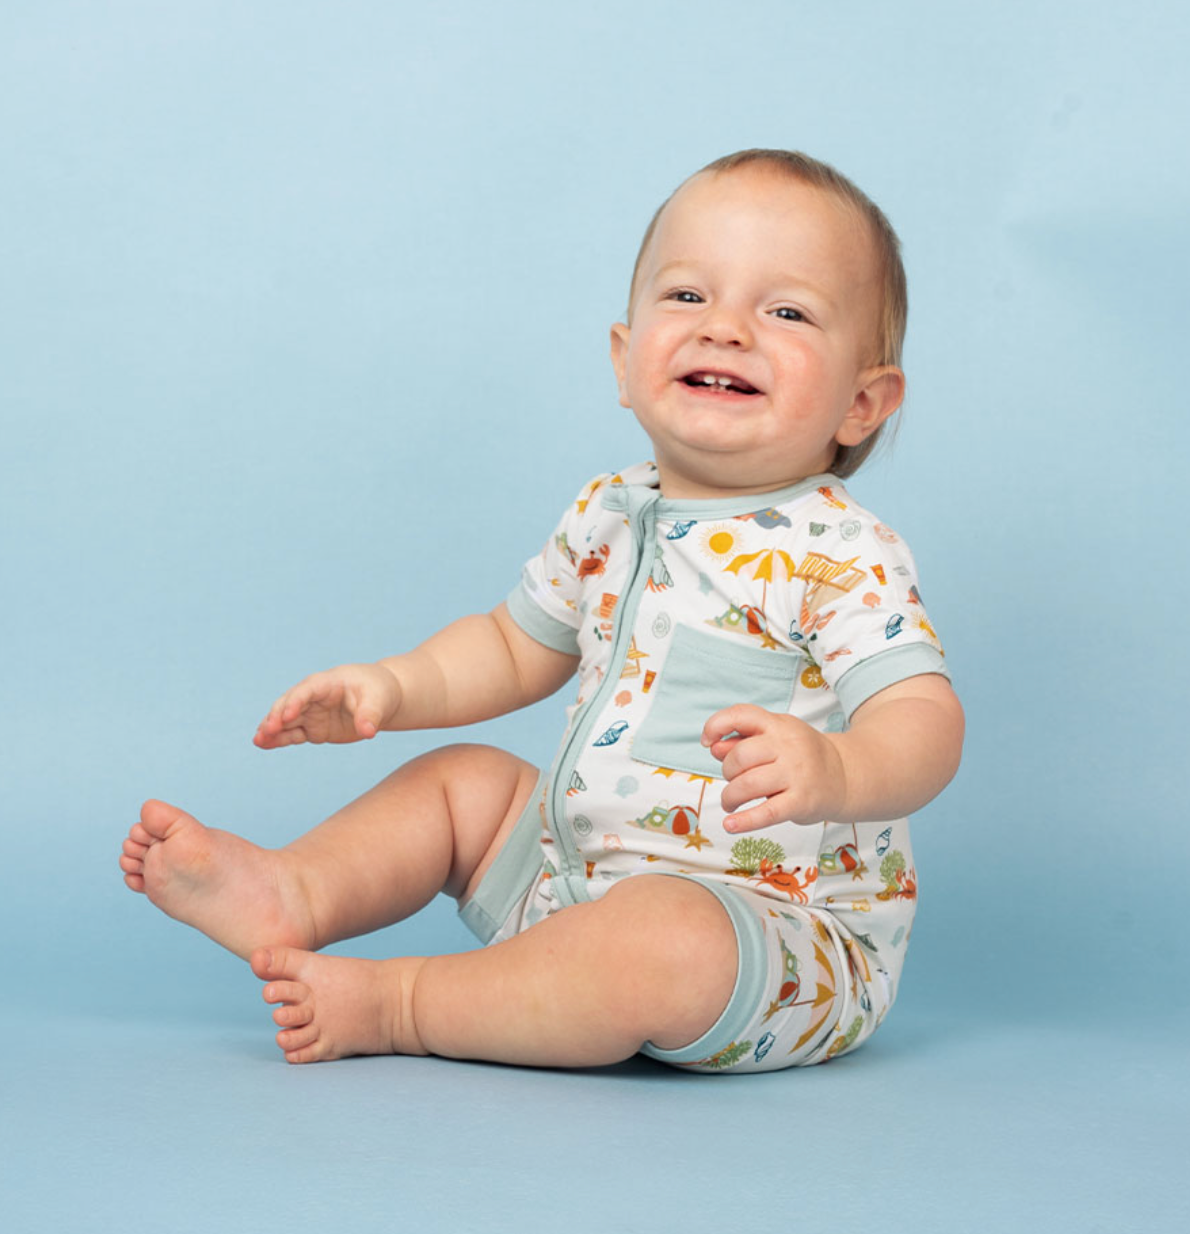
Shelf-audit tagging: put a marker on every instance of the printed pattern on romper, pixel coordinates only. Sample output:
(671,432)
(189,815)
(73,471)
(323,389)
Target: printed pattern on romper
(799,1021)
(815,587)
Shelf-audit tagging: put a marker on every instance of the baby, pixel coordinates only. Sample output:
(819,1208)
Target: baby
(716,869)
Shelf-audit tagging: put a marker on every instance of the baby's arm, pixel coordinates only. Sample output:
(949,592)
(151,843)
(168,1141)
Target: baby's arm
(900,752)
(476,668)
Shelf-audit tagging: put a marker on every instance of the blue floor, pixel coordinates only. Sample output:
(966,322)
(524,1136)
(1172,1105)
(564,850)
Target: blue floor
(156,1125)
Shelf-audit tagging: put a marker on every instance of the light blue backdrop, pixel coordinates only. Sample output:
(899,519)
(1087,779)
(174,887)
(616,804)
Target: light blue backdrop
(293,294)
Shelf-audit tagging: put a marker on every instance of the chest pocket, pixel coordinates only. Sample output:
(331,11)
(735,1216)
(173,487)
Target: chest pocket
(702,674)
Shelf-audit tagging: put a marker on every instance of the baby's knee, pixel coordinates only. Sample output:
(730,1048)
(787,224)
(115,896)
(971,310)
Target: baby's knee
(472,773)
(463,756)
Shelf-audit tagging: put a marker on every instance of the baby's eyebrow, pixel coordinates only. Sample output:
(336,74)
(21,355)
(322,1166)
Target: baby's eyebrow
(791,280)
(671,265)
(779,279)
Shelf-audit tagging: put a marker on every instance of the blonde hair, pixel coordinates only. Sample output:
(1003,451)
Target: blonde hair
(894,296)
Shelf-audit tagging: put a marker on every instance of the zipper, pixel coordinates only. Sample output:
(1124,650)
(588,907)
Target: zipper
(570,883)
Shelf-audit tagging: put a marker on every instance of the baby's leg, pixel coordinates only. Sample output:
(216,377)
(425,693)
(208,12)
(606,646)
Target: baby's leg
(654,960)
(433,825)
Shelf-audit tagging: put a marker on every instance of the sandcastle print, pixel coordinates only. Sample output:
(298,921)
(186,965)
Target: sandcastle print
(679,820)
(845,859)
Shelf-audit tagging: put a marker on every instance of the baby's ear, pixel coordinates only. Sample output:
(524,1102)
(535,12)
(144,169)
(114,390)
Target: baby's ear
(880,393)
(620,336)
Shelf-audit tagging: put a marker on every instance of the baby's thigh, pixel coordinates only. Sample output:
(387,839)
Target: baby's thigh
(676,951)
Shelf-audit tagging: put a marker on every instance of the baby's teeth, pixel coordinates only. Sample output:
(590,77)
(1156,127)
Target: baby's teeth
(712,380)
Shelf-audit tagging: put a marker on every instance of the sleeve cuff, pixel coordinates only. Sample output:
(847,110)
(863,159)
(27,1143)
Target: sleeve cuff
(539,625)
(878,672)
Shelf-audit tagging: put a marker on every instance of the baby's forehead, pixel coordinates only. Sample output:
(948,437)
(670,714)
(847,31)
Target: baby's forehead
(810,221)
(783,198)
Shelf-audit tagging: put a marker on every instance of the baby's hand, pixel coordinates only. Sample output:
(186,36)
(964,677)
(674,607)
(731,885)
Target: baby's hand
(351,703)
(795,768)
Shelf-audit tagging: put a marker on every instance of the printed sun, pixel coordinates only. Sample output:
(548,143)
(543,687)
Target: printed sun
(721,541)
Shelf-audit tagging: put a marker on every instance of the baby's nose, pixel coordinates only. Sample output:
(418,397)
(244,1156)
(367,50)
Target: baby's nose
(726,326)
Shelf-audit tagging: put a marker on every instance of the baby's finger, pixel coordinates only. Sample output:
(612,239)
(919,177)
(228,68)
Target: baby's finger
(743,754)
(365,714)
(271,727)
(742,718)
(777,808)
(291,736)
(273,719)
(296,701)
(759,783)
(721,748)
(762,814)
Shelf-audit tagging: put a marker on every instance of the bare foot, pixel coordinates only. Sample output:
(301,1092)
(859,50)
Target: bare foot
(234,892)
(332,1006)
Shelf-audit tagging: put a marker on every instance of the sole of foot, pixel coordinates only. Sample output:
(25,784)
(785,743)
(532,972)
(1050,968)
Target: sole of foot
(236,893)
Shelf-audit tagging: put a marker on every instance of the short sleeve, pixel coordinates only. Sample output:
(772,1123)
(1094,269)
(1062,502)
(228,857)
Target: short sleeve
(862,617)
(545,602)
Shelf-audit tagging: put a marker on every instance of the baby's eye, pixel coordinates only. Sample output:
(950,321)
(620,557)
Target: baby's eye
(684,295)
(788,314)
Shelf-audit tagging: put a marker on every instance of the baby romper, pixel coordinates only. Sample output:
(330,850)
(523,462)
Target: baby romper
(798,601)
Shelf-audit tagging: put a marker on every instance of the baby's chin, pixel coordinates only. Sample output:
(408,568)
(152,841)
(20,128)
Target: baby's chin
(713,475)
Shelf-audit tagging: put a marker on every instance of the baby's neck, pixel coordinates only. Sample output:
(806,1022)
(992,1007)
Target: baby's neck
(698,477)
(682,488)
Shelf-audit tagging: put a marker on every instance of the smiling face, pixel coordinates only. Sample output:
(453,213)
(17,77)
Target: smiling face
(748,360)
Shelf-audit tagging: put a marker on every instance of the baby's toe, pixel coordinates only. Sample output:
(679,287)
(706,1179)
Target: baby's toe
(286,992)
(134,872)
(292,1040)
(140,834)
(277,963)
(312,1054)
(295,1016)
(156,818)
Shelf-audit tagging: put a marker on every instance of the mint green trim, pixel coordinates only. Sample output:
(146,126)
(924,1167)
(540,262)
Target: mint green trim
(751,974)
(570,883)
(538,624)
(615,497)
(885,669)
(509,876)
(702,674)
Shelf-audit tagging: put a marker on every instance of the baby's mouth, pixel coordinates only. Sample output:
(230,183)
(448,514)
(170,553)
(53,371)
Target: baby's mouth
(719,383)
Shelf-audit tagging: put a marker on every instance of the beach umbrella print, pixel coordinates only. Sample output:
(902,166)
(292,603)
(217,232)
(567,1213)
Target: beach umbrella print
(763,570)
(825,994)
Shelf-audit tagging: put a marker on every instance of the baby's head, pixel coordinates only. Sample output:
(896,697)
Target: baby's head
(772,267)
